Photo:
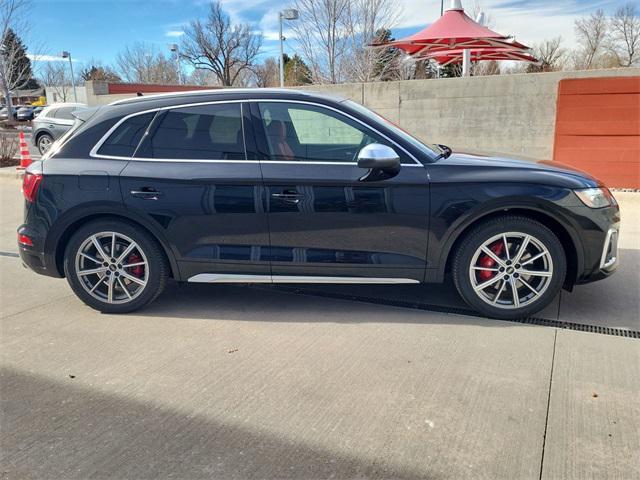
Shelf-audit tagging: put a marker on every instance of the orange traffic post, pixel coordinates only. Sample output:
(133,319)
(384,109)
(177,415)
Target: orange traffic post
(25,156)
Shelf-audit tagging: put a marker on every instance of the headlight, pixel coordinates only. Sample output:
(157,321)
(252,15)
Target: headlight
(596,197)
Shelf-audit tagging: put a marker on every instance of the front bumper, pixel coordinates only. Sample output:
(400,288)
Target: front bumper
(600,231)
(609,258)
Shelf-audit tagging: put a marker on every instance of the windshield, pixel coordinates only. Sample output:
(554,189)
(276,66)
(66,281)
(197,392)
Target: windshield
(431,150)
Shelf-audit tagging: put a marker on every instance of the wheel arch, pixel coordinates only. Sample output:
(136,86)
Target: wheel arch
(567,236)
(40,133)
(62,238)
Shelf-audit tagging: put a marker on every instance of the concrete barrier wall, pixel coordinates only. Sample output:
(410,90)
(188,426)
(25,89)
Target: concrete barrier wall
(511,114)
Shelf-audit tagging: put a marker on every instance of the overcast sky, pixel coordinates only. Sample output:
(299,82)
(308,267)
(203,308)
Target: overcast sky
(98,29)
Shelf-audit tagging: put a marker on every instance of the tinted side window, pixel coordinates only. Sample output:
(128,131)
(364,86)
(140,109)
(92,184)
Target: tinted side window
(64,113)
(52,113)
(300,132)
(207,132)
(124,140)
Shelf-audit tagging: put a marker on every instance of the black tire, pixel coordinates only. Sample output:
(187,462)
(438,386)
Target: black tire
(42,145)
(468,251)
(156,263)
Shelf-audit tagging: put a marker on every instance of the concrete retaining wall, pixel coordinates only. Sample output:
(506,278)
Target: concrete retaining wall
(511,114)
(65,94)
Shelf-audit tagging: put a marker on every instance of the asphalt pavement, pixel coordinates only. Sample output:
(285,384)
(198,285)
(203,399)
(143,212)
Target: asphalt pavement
(239,382)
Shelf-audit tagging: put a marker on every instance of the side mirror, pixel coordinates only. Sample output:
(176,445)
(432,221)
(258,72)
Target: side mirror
(380,157)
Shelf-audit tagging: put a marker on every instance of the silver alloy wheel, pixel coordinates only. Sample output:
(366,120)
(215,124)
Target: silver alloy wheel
(44,144)
(511,270)
(111,267)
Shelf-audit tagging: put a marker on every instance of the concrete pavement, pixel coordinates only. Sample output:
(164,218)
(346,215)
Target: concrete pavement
(236,382)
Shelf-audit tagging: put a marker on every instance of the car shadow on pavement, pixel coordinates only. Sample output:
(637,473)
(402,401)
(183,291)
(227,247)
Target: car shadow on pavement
(308,305)
(107,435)
(613,302)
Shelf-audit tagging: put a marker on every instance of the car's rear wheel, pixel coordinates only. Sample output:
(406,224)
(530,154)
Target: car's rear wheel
(509,267)
(115,267)
(44,143)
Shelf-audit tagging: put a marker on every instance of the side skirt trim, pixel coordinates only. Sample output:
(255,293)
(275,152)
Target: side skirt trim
(231,278)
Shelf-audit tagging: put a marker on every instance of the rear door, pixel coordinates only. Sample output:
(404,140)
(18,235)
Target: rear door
(60,120)
(196,177)
(324,218)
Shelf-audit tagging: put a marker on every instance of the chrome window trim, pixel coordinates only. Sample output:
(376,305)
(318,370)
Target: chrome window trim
(94,151)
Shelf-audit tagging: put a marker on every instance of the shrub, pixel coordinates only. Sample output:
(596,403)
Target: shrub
(8,150)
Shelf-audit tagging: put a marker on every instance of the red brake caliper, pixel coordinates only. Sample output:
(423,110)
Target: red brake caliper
(487,262)
(138,270)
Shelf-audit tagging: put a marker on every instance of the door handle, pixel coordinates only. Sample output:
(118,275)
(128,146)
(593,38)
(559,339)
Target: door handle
(288,196)
(146,193)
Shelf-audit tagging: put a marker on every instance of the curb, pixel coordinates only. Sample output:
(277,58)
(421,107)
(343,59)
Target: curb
(11,173)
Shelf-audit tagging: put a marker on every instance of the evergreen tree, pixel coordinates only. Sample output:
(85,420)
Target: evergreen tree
(296,72)
(386,67)
(452,70)
(21,72)
(100,73)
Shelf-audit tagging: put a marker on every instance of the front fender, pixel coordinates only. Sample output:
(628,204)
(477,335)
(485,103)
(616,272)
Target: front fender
(452,215)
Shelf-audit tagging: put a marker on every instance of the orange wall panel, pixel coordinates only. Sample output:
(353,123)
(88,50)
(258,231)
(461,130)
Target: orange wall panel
(598,128)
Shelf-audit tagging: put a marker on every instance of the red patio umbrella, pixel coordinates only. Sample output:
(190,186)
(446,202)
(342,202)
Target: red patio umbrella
(456,32)
(446,57)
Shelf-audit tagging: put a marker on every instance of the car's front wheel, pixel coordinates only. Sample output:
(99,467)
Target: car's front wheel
(44,143)
(509,267)
(115,267)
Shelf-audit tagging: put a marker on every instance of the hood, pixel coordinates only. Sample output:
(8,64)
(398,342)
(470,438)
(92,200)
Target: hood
(514,168)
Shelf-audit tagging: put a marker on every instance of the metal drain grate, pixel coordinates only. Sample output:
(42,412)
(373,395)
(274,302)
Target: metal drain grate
(618,332)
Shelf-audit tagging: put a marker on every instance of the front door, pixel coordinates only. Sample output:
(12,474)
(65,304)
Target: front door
(324,219)
(194,177)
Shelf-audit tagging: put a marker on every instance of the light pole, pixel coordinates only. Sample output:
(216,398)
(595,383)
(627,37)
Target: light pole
(66,54)
(175,49)
(288,14)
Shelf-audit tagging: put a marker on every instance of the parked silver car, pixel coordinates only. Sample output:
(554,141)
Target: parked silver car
(25,113)
(4,113)
(52,123)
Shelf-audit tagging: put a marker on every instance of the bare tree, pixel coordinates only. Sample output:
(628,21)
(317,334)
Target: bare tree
(591,33)
(550,54)
(267,73)
(367,22)
(624,35)
(202,77)
(142,63)
(229,51)
(476,9)
(485,67)
(14,73)
(321,36)
(56,76)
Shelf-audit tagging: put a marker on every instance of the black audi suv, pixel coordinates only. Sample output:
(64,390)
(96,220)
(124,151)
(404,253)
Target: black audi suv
(279,186)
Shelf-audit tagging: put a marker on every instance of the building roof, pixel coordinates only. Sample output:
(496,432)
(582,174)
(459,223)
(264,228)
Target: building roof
(36,92)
